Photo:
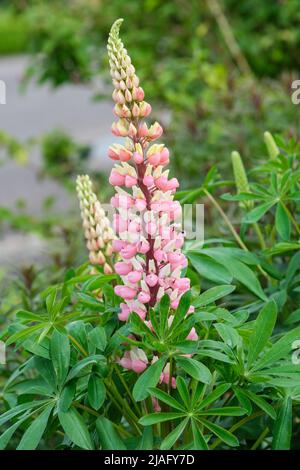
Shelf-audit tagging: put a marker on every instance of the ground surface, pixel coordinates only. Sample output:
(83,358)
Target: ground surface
(31,114)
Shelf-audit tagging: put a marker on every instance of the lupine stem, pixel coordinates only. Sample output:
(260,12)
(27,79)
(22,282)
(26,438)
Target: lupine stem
(127,389)
(290,216)
(231,227)
(260,439)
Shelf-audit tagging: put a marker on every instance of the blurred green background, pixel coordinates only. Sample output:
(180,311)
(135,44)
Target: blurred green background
(218,73)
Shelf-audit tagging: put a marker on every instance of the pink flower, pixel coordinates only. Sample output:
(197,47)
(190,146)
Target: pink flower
(151,240)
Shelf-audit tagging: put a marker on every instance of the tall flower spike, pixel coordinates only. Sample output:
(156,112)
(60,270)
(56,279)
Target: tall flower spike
(97,230)
(150,236)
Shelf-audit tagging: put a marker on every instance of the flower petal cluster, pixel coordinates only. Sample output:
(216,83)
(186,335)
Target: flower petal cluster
(148,218)
(97,230)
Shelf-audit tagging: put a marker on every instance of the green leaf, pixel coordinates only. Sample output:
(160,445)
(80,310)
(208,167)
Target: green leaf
(283,426)
(33,434)
(75,428)
(108,436)
(213,294)
(213,396)
(8,415)
(24,333)
(46,370)
(87,361)
(60,355)
(166,398)
(182,310)
(50,300)
(67,396)
(282,223)
(97,337)
(154,418)
(243,399)
(258,212)
(195,369)
(183,391)
(164,307)
(146,441)
(209,268)
(229,335)
(96,392)
(199,440)
(222,433)
(261,403)
(148,378)
(263,327)
(280,349)
(171,438)
(95,282)
(225,411)
(7,435)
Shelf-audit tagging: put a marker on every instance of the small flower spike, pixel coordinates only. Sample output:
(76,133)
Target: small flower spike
(97,230)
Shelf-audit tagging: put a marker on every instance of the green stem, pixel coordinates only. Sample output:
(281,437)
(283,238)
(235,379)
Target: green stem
(122,411)
(95,413)
(259,235)
(260,439)
(226,219)
(291,217)
(238,425)
(125,406)
(127,389)
(231,227)
(78,345)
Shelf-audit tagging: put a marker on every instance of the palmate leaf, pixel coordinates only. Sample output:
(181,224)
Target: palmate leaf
(25,333)
(7,435)
(67,396)
(231,260)
(225,411)
(211,295)
(166,398)
(109,438)
(258,212)
(195,369)
(278,350)
(174,435)
(209,268)
(263,327)
(220,432)
(183,391)
(283,426)
(214,395)
(260,402)
(154,418)
(8,415)
(164,307)
(34,432)
(181,311)
(198,438)
(87,361)
(148,378)
(75,428)
(146,440)
(97,336)
(282,222)
(96,392)
(60,355)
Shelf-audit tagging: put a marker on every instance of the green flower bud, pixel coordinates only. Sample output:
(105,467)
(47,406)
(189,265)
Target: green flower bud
(273,150)
(240,177)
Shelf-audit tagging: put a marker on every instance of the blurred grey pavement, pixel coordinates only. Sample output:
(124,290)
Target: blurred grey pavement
(37,111)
